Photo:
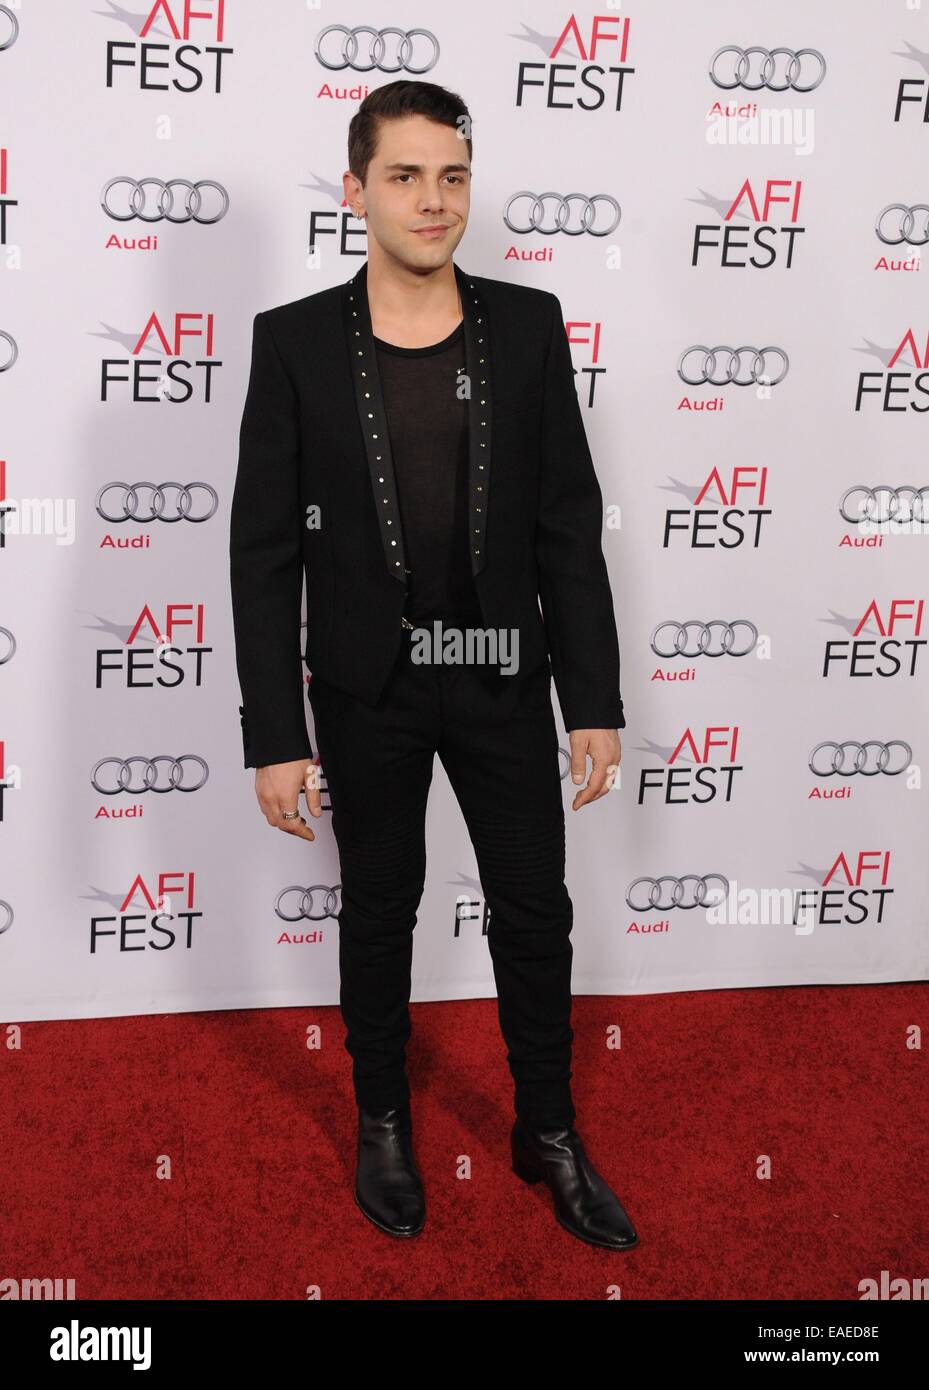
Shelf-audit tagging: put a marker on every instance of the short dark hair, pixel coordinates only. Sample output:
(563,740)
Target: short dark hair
(395,99)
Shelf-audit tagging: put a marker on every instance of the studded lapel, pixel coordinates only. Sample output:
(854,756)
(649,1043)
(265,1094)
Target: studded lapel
(373,416)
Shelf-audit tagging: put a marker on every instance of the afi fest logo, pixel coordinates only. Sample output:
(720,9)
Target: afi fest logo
(171,368)
(178,48)
(892,653)
(852,893)
(10,777)
(5,202)
(906,388)
(729,519)
(754,238)
(698,769)
(166,920)
(582,70)
(150,655)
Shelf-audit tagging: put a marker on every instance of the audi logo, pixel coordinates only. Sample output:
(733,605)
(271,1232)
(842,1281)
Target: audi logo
(698,893)
(149,775)
(536,214)
(164,207)
(6,912)
(183,503)
(868,506)
(14,350)
(836,764)
(705,637)
(757,373)
(349,51)
(14,27)
(11,647)
(906,224)
(743,65)
(306,902)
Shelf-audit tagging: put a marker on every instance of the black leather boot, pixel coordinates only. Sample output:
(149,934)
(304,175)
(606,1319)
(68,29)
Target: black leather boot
(388,1187)
(584,1204)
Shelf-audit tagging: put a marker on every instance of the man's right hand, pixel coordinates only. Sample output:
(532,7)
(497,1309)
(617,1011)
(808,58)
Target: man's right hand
(278,787)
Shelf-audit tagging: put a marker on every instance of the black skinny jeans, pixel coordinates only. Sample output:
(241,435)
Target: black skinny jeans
(498,743)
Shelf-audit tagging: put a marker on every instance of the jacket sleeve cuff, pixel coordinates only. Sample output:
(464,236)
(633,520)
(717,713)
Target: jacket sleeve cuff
(610,718)
(288,749)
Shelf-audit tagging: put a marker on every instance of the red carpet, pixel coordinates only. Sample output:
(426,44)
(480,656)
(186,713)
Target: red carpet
(260,1136)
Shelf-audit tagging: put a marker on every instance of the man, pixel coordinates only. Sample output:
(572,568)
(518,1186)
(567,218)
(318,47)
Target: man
(412,442)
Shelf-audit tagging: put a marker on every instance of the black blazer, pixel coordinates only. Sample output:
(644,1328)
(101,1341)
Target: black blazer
(314,432)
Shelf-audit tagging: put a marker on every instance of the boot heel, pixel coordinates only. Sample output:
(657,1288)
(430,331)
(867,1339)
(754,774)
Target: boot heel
(522,1170)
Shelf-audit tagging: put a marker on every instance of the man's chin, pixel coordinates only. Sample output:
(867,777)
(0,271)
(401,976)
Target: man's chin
(429,257)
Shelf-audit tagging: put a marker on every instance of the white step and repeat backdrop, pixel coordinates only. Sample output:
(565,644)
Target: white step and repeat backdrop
(730,200)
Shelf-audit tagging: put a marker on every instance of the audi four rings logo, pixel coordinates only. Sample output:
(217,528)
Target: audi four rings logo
(174,777)
(726,645)
(697,894)
(836,765)
(8,647)
(136,200)
(349,50)
(906,223)
(757,372)
(869,507)
(13,35)
(6,916)
(304,904)
(534,217)
(182,505)
(743,65)
(14,351)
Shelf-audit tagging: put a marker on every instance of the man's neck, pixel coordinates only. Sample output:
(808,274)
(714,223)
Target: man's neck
(410,309)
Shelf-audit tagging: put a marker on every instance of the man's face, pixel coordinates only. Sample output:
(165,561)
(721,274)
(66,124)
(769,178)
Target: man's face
(419,178)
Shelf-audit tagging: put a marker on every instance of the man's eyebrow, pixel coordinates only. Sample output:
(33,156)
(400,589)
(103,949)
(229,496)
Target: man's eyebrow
(418,168)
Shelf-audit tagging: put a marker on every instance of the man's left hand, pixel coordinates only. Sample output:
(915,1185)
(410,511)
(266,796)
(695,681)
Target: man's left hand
(605,752)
